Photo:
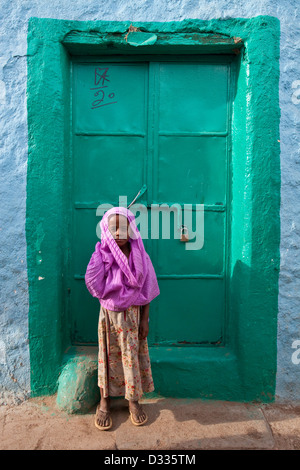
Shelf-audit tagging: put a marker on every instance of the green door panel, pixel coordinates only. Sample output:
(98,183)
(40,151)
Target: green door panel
(193,97)
(110,98)
(199,166)
(191,312)
(84,235)
(85,314)
(174,258)
(97,167)
(166,125)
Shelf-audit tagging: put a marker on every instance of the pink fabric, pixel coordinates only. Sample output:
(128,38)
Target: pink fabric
(116,281)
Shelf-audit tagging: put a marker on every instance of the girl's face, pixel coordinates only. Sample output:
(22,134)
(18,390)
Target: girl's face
(118,226)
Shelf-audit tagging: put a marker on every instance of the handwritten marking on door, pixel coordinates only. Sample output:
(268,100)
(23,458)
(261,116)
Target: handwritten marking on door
(100,78)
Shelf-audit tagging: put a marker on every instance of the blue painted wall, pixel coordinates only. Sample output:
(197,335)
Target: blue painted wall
(14,351)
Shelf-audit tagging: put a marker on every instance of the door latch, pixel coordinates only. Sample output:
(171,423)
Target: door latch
(139,194)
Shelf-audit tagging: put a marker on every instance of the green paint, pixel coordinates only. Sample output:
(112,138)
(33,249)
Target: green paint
(78,389)
(141,39)
(245,367)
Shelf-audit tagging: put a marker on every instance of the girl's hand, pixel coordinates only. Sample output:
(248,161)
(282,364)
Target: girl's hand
(144,328)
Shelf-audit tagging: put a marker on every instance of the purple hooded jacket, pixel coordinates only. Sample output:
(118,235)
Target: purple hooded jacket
(116,281)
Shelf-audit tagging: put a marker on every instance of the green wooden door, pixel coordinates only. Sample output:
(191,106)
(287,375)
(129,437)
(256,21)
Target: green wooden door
(164,124)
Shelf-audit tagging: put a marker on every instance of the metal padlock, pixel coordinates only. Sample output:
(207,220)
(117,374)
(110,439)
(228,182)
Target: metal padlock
(184,234)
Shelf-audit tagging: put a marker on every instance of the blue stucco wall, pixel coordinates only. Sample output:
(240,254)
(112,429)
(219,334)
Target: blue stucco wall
(14,351)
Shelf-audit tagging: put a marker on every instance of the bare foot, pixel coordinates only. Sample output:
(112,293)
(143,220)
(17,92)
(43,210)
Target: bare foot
(103,418)
(138,414)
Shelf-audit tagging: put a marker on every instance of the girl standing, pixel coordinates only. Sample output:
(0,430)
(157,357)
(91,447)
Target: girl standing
(121,275)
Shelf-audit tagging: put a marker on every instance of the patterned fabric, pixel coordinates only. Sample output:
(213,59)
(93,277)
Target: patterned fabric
(116,281)
(123,360)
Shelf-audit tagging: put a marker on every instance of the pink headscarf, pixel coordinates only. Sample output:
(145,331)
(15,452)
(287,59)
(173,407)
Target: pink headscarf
(116,281)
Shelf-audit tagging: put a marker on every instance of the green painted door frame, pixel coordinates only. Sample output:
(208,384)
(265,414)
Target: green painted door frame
(244,368)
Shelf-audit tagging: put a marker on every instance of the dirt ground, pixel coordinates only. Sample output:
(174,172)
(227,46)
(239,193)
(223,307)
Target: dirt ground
(173,424)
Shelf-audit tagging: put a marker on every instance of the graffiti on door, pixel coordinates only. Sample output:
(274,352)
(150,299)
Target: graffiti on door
(100,78)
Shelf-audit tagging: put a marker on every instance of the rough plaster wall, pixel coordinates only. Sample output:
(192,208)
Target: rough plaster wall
(14,352)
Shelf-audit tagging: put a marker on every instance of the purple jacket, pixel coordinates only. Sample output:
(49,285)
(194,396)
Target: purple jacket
(116,281)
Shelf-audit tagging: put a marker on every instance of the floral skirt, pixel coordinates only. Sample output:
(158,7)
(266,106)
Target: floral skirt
(123,360)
